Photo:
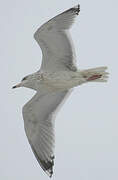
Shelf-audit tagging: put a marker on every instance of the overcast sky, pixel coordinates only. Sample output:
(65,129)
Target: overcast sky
(87,125)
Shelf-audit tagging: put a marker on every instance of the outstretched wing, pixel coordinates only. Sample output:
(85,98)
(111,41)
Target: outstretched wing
(55,42)
(39,114)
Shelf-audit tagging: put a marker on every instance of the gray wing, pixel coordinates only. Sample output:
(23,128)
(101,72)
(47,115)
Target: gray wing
(39,114)
(56,43)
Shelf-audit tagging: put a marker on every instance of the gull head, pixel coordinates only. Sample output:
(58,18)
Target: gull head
(29,81)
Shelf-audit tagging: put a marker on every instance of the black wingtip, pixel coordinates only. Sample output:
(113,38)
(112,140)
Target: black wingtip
(46,165)
(77,9)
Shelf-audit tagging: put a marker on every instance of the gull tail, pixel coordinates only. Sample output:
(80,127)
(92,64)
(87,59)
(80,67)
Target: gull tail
(98,74)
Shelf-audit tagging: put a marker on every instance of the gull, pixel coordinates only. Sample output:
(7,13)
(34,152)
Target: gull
(53,83)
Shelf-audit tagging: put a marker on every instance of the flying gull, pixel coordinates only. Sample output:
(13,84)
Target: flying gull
(53,83)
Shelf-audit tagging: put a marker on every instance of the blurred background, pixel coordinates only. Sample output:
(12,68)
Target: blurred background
(87,125)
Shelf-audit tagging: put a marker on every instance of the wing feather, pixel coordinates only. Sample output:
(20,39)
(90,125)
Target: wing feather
(56,43)
(39,115)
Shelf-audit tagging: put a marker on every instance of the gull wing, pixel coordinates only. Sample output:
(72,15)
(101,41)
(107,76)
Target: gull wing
(39,115)
(54,39)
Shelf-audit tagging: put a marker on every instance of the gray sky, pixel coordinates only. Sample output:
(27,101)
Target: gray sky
(87,143)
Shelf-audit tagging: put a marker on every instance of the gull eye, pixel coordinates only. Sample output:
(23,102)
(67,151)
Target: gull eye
(24,78)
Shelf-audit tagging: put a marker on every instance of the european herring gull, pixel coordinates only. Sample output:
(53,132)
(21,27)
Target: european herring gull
(53,83)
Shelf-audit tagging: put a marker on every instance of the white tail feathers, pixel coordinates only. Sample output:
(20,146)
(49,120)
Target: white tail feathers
(98,74)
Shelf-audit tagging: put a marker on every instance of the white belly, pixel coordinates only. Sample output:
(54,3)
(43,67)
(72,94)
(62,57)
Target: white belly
(62,80)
